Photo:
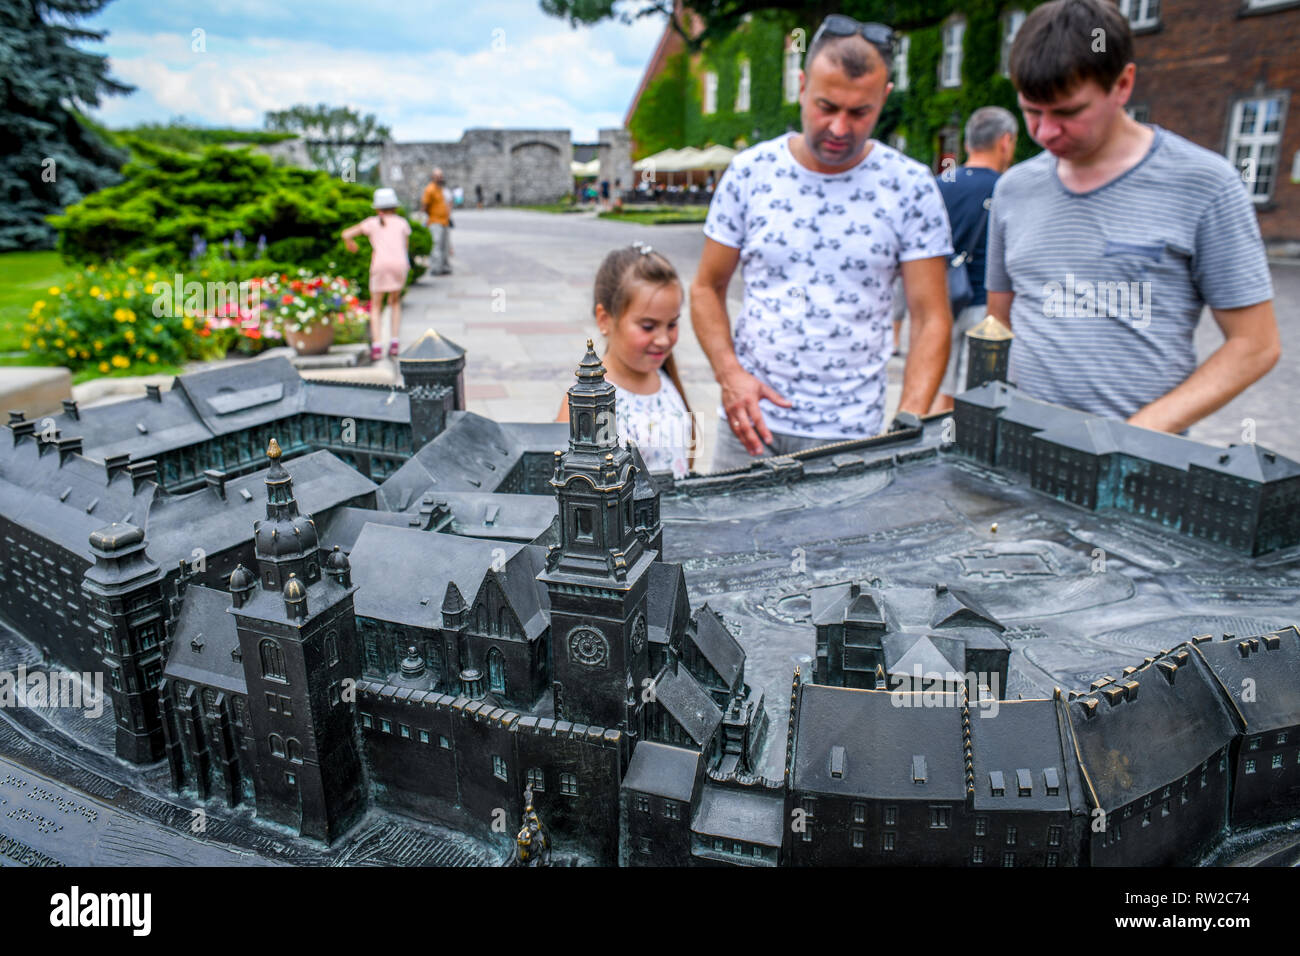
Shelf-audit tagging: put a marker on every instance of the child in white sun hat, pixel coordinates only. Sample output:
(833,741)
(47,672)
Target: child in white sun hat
(389,235)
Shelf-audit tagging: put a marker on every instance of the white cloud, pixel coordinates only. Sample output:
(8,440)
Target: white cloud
(556,79)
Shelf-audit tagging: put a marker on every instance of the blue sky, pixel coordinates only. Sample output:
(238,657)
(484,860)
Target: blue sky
(428,70)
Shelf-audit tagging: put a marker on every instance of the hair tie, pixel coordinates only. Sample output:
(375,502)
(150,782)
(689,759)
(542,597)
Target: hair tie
(644,248)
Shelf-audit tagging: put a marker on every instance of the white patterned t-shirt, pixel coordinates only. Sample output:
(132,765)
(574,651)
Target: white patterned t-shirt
(659,424)
(818,255)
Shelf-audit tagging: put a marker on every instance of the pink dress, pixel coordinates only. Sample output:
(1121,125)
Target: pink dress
(388,262)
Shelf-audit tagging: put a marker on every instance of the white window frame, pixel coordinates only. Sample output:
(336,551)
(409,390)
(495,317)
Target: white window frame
(901,79)
(710,105)
(1266,4)
(1141,13)
(792,68)
(954,32)
(1012,21)
(744,80)
(1254,142)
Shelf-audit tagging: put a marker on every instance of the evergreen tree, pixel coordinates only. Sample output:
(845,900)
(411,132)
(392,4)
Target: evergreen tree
(49,156)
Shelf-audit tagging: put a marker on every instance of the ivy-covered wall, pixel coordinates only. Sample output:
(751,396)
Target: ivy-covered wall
(670,113)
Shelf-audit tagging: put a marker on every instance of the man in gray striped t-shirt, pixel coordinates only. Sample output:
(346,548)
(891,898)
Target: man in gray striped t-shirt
(1104,248)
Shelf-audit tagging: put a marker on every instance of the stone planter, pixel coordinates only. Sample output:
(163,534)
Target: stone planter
(316,341)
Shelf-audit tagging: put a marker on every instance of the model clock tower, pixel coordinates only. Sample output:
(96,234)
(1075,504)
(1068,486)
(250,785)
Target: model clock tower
(598,573)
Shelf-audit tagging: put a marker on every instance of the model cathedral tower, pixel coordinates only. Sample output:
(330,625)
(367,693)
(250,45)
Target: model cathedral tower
(597,575)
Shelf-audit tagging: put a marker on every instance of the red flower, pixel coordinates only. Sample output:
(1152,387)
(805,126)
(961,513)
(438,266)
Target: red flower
(286,299)
(253,333)
(204,332)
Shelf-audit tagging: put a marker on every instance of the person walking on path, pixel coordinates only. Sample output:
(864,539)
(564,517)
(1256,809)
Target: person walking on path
(1104,248)
(968,194)
(434,203)
(389,235)
(821,222)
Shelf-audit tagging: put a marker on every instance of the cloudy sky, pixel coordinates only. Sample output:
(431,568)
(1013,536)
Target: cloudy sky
(429,70)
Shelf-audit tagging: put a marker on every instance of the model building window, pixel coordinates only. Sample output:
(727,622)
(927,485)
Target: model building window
(443,742)
(939,817)
(277,745)
(1011,836)
(499,767)
(1250,766)
(1254,743)
(672,810)
(1053,836)
(272,660)
(332,648)
(859,813)
(891,816)
(1281,738)
(582,522)
(291,778)
(887,841)
(367,720)
(385,725)
(644,845)
(1277,761)
(1255,143)
(977,854)
(424,736)
(404,730)
(859,839)
(271,701)
(1008,859)
(1052,859)
(286,706)
(643,804)
(294,750)
(569,784)
(497,667)
(536,779)
(981,826)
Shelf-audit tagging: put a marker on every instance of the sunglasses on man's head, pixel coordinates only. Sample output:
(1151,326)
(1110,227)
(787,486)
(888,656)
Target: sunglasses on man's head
(877,34)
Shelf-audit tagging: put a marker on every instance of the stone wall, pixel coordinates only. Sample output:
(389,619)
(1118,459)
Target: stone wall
(615,155)
(514,166)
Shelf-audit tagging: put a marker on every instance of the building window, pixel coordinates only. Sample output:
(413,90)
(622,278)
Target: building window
(496,667)
(1011,23)
(859,813)
(367,720)
(1053,836)
(710,104)
(887,841)
(1277,761)
(582,525)
(900,62)
(939,817)
(950,66)
(291,778)
(536,779)
(791,76)
(1254,743)
(331,648)
(404,730)
(1281,738)
(1011,836)
(385,725)
(672,810)
(977,854)
(499,768)
(293,750)
(424,736)
(859,839)
(1141,13)
(277,745)
(1008,859)
(1146,818)
(742,87)
(1052,859)
(271,701)
(891,816)
(272,660)
(1255,142)
(643,804)
(643,844)
(443,742)
(286,706)
(569,784)
(981,826)
(1250,766)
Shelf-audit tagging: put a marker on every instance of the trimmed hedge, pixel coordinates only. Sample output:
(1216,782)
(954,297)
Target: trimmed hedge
(168,198)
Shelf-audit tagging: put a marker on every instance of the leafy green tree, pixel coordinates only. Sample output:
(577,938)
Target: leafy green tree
(335,137)
(49,157)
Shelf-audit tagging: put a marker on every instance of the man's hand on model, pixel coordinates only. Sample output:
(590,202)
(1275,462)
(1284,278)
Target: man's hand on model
(740,394)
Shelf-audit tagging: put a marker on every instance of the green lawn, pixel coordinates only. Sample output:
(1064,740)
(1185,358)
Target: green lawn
(24,277)
(658,215)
